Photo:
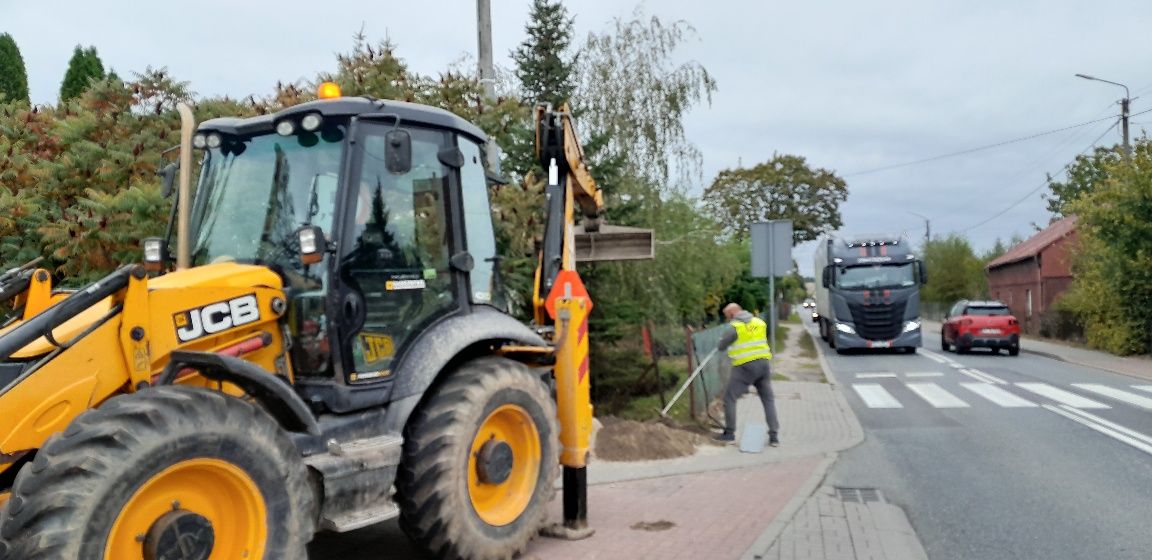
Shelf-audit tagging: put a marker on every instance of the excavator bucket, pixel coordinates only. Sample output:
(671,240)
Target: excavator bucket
(614,243)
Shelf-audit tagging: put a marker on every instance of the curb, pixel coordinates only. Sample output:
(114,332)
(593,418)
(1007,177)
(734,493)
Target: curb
(770,534)
(845,408)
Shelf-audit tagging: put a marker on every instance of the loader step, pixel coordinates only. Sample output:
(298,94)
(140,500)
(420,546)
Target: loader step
(356,481)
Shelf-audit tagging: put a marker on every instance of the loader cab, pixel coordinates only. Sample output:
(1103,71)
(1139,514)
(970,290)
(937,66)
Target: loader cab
(400,193)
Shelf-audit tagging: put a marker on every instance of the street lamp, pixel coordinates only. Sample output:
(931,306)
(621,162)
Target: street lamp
(1123,108)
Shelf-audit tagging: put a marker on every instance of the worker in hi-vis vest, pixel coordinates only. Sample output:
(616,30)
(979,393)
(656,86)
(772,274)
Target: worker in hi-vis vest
(746,341)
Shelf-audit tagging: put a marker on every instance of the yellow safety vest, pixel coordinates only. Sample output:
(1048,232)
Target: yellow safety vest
(751,342)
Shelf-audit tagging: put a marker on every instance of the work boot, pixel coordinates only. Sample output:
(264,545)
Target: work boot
(773,441)
(726,436)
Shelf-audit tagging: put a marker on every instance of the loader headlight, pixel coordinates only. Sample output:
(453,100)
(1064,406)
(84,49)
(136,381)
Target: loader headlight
(213,141)
(312,244)
(310,122)
(155,253)
(285,128)
(199,141)
(845,328)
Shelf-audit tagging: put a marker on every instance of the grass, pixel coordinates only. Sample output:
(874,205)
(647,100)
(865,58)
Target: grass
(781,336)
(807,347)
(648,407)
(780,377)
(793,318)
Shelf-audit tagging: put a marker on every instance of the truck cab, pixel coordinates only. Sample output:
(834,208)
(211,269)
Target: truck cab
(868,294)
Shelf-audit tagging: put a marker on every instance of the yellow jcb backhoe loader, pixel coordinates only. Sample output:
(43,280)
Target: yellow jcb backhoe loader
(324,351)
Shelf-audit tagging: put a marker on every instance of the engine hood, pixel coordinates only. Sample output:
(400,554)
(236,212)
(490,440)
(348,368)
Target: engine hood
(219,275)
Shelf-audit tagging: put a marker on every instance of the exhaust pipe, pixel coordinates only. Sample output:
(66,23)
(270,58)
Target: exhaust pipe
(184,194)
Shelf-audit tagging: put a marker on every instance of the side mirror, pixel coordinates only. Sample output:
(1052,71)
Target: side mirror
(923,272)
(168,178)
(399,157)
(313,244)
(826,277)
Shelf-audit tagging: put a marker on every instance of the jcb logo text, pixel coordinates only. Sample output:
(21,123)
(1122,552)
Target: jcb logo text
(216,317)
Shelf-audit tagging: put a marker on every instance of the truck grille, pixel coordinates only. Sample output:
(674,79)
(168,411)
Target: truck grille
(878,321)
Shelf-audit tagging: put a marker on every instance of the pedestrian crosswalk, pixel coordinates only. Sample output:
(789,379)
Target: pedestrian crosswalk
(888,395)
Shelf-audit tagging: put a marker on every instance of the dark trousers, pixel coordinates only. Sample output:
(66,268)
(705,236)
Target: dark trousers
(756,373)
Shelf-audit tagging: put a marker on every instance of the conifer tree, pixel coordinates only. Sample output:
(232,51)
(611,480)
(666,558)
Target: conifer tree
(84,67)
(13,77)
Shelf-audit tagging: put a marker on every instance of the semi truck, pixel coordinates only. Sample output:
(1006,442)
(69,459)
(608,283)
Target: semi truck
(868,293)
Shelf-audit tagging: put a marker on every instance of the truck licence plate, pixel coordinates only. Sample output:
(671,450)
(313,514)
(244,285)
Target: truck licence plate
(989,331)
(881,344)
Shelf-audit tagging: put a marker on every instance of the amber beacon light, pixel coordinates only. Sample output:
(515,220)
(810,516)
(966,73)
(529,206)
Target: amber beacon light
(328,90)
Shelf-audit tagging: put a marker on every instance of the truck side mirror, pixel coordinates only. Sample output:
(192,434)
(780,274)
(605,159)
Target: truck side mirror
(826,277)
(923,272)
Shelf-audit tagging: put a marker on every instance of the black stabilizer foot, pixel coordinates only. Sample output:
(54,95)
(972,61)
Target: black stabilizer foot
(575,525)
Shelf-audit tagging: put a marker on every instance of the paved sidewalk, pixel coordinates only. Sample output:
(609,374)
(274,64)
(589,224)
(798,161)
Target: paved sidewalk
(1135,366)
(847,526)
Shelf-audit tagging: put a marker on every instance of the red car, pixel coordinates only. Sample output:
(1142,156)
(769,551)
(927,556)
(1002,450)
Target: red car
(980,324)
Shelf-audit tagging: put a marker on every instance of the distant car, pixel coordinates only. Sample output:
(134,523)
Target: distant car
(980,324)
(809,303)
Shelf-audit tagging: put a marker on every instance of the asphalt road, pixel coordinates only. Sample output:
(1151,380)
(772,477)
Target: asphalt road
(1007,461)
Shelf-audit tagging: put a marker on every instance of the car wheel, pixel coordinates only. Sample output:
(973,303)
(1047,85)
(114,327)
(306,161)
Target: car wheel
(1014,351)
(944,343)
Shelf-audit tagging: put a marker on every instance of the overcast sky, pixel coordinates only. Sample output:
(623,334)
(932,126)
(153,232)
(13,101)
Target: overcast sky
(850,85)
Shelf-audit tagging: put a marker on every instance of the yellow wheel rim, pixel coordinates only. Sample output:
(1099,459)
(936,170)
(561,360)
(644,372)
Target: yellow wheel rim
(500,494)
(215,490)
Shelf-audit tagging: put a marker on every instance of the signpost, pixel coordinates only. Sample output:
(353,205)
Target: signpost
(771,257)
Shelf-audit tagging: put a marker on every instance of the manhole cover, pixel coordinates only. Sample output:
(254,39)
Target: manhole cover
(661,525)
(859,495)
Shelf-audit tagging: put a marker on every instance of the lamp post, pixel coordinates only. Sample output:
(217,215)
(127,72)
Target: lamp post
(1123,109)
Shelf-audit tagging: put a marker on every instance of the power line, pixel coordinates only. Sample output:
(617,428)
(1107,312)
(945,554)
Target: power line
(1046,181)
(978,149)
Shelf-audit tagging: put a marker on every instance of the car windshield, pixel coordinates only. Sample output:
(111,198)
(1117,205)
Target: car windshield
(256,191)
(988,311)
(876,276)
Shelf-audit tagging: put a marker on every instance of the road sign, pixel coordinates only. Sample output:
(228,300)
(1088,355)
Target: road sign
(771,248)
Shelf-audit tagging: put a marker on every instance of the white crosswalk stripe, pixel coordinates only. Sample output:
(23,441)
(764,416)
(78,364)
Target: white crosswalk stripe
(1122,396)
(1060,395)
(998,396)
(924,374)
(1143,387)
(875,396)
(936,396)
(876,375)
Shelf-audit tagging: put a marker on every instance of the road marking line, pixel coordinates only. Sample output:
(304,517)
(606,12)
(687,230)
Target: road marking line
(875,396)
(998,396)
(1143,387)
(1123,396)
(981,376)
(994,379)
(876,375)
(1112,430)
(924,374)
(933,356)
(936,396)
(1071,399)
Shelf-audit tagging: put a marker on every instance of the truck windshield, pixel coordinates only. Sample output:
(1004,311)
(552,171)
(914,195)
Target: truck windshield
(255,191)
(876,276)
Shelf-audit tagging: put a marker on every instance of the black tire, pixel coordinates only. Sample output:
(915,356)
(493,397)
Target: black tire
(436,509)
(65,503)
(1014,351)
(910,350)
(944,343)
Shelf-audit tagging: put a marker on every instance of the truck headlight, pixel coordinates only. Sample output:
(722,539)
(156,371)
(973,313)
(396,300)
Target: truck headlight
(845,328)
(911,326)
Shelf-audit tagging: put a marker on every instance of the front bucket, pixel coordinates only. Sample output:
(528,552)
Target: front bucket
(614,243)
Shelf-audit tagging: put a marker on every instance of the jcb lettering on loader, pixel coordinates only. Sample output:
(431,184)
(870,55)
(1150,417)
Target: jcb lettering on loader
(216,317)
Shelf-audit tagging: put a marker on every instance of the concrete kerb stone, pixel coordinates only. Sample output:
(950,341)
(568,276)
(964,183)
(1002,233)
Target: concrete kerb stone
(845,408)
(772,532)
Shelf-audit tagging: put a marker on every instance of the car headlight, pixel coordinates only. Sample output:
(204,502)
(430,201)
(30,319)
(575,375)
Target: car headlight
(845,328)
(911,326)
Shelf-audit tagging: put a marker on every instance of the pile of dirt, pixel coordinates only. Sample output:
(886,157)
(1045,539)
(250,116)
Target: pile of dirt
(628,440)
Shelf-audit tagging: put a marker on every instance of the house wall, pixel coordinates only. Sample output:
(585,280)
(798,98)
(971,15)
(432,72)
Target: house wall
(1043,278)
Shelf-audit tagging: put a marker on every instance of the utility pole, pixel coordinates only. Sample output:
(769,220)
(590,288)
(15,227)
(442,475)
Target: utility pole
(927,227)
(487,71)
(1124,103)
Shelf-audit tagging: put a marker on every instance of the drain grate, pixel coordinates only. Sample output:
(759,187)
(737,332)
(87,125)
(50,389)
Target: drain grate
(859,495)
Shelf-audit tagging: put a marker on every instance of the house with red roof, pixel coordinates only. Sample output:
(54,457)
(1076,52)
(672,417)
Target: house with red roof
(1031,276)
